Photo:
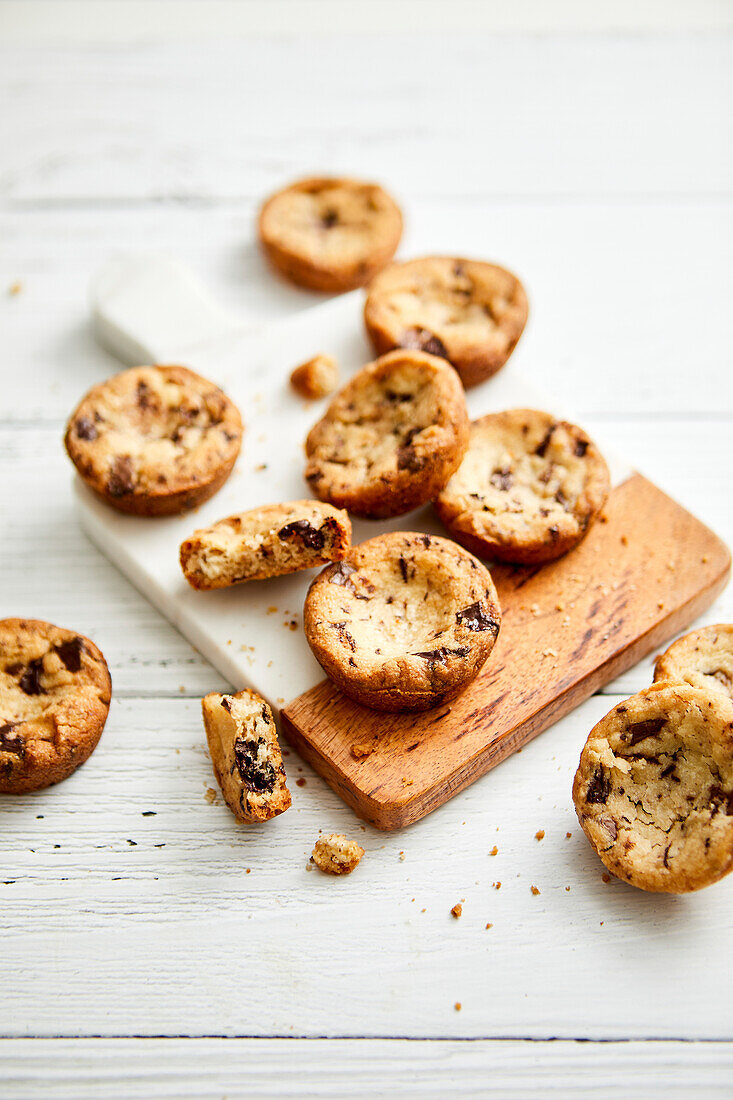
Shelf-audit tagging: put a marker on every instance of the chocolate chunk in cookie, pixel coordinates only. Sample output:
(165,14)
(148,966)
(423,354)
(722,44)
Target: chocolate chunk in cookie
(703,658)
(405,622)
(317,377)
(154,441)
(240,730)
(466,311)
(527,490)
(391,438)
(265,542)
(55,693)
(330,234)
(654,788)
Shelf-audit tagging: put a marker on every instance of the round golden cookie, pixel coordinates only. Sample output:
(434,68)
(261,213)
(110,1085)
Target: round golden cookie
(330,234)
(391,438)
(155,441)
(527,490)
(703,658)
(55,692)
(469,312)
(404,622)
(654,788)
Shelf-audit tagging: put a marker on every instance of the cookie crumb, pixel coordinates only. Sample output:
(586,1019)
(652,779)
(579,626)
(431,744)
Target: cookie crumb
(567,889)
(335,855)
(624,540)
(605,878)
(549,653)
(457,1006)
(568,835)
(534,890)
(315,378)
(248,871)
(540,834)
(489,925)
(15,288)
(494,851)
(402,858)
(262,466)
(361,749)
(300,782)
(496,885)
(456,910)
(210,795)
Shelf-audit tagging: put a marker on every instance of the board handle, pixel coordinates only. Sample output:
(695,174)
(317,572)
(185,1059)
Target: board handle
(149,308)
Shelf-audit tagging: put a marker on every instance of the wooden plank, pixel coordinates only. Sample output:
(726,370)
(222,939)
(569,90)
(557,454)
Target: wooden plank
(128,1069)
(569,627)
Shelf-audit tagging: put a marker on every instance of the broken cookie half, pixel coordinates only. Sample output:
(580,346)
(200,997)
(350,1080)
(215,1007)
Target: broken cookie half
(246,755)
(265,542)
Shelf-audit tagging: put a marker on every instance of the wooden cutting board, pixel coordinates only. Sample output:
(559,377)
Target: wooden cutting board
(643,573)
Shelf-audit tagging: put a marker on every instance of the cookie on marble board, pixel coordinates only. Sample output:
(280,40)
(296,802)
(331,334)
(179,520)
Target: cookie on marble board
(703,658)
(330,233)
(527,490)
(268,541)
(391,438)
(654,788)
(404,622)
(470,312)
(55,691)
(245,753)
(154,441)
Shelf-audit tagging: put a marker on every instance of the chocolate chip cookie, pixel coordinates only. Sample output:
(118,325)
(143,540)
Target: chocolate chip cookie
(55,692)
(391,438)
(154,440)
(527,490)
(469,312)
(654,788)
(265,542)
(246,755)
(703,658)
(330,234)
(404,622)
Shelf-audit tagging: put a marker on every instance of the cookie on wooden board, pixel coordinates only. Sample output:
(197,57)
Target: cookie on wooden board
(55,692)
(654,788)
(269,541)
(154,441)
(527,490)
(471,313)
(391,438)
(703,658)
(404,622)
(242,737)
(330,233)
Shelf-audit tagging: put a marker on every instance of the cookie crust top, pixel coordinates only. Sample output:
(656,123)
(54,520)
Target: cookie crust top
(330,233)
(404,622)
(703,658)
(391,438)
(470,312)
(55,691)
(654,788)
(527,489)
(154,440)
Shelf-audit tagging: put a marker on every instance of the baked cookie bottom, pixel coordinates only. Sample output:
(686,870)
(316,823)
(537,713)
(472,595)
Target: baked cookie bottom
(245,753)
(404,622)
(703,658)
(527,490)
(265,542)
(654,788)
(55,691)
(390,440)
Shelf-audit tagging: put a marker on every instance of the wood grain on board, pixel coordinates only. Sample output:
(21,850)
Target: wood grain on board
(644,572)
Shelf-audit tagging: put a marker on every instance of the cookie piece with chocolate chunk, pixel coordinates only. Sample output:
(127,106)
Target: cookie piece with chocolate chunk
(527,490)
(242,737)
(335,855)
(265,542)
(472,313)
(154,441)
(391,438)
(404,622)
(703,658)
(654,788)
(55,692)
(315,378)
(330,233)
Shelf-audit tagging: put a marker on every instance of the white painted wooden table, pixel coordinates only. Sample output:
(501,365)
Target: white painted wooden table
(150,945)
